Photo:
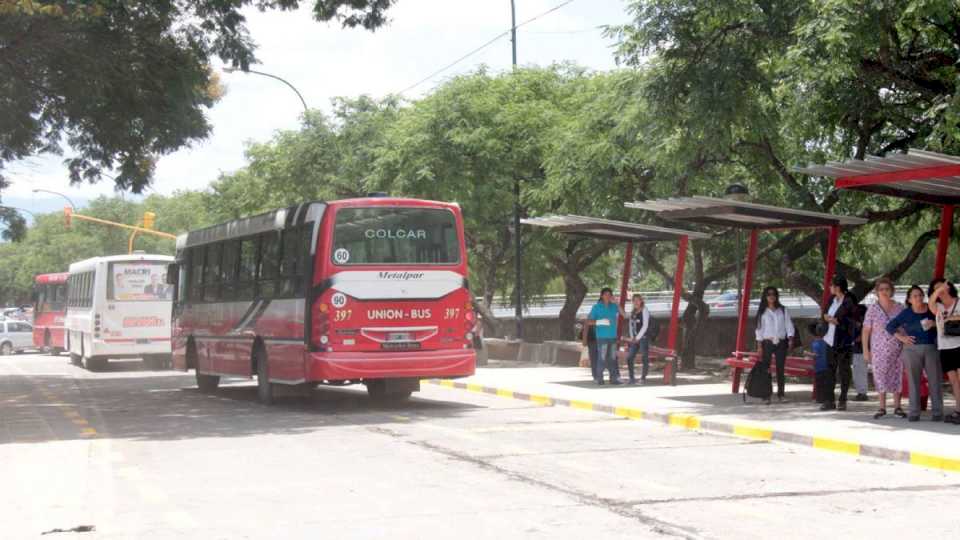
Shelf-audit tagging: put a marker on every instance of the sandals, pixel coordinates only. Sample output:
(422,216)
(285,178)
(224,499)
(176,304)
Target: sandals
(879,414)
(899,412)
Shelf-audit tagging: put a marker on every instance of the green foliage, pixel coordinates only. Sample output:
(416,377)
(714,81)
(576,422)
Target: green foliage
(329,158)
(49,246)
(124,82)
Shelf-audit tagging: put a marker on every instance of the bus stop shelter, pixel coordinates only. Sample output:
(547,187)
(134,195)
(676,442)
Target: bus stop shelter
(631,233)
(716,212)
(918,175)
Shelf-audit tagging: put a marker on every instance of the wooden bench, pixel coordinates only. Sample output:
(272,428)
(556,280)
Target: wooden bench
(795,366)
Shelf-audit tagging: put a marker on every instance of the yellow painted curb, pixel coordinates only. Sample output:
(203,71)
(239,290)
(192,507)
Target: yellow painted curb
(753,432)
(834,445)
(688,421)
(934,462)
(475,388)
(583,405)
(504,393)
(627,412)
(541,400)
(446,382)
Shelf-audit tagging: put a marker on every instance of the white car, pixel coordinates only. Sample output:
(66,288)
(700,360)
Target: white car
(15,336)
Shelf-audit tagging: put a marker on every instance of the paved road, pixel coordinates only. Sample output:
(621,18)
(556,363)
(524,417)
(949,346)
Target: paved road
(144,455)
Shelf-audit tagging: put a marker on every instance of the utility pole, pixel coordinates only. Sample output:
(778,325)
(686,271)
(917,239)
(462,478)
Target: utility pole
(518,262)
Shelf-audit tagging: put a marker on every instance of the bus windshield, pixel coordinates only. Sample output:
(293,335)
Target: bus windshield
(391,235)
(138,280)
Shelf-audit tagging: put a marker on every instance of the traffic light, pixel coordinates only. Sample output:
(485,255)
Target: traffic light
(148,220)
(67,215)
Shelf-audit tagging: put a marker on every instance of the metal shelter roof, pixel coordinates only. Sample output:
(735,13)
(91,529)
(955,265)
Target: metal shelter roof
(606,229)
(918,175)
(744,215)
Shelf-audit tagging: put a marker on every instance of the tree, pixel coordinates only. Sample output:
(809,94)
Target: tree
(742,89)
(328,158)
(124,82)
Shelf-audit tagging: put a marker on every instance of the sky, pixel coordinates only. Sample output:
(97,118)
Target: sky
(324,61)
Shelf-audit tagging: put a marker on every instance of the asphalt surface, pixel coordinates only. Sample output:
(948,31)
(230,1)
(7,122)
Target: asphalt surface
(139,454)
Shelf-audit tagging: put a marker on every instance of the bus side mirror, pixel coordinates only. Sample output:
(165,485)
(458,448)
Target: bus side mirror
(173,274)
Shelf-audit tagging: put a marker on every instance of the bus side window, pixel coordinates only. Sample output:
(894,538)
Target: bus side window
(247,273)
(196,275)
(296,250)
(228,269)
(268,282)
(211,274)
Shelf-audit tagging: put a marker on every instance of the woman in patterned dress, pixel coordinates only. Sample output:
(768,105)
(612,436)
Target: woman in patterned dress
(881,349)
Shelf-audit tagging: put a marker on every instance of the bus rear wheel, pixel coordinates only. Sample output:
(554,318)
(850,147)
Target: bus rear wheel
(76,359)
(389,393)
(207,383)
(96,363)
(264,387)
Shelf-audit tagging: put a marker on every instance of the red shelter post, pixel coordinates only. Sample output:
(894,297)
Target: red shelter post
(625,284)
(943,241)
(831,263)
(747,286)
(677,289)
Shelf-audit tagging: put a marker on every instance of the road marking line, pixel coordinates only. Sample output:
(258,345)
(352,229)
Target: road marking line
(834,445)
(88,432)
(80,421)
(751,432)
(71,413)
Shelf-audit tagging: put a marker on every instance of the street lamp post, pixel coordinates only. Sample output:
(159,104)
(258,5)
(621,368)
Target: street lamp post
(518,253)
(284,81)
(56,193)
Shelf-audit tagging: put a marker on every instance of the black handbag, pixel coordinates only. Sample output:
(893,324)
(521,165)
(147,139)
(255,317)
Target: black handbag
(951,328)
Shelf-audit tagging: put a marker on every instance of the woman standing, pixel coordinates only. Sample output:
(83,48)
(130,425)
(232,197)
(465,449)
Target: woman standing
(919,351)
(839,315)
(883,350)
(774,331)
(943,304)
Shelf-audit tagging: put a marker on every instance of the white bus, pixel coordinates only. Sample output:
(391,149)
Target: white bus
(119,307)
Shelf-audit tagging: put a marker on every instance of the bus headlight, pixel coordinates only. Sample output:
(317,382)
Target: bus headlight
(469,336)
(324,339)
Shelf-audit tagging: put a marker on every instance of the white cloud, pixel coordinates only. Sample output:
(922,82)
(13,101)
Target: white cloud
(324,61)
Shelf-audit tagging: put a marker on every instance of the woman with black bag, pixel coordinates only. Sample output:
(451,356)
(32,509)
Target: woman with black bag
(775,330)
(839,315)
(943,303)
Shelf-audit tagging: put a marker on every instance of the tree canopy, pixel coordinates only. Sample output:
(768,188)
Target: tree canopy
(125,82)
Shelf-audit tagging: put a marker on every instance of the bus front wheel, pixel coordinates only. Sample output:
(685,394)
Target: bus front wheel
(76,359)
(207,383)
(264,387)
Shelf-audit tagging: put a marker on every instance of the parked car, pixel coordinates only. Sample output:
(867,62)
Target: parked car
(15,337)
(723,301)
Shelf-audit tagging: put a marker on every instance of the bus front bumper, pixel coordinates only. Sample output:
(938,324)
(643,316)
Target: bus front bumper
(339,366)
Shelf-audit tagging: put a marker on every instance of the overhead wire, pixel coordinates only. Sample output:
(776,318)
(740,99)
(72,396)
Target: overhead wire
(484,46)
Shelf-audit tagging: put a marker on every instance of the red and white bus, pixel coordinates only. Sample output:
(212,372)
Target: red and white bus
(370,290)
(49,311)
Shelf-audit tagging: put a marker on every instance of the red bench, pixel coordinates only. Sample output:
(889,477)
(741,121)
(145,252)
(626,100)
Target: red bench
(795,366)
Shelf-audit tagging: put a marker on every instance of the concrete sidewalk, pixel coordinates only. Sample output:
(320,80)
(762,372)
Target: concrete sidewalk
(705,403)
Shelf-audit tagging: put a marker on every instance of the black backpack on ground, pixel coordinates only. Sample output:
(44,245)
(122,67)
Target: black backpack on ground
(759,383)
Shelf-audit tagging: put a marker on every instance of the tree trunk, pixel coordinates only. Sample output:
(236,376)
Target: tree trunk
(696,314)
(575,290)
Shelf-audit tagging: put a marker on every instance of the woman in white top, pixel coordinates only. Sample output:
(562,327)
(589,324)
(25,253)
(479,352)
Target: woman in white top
(943,303)
(774,331)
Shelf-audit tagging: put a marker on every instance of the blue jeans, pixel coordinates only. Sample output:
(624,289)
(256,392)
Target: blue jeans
(643,347)
(607,356)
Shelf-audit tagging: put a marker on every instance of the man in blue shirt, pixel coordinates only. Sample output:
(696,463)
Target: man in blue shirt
(603,316)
